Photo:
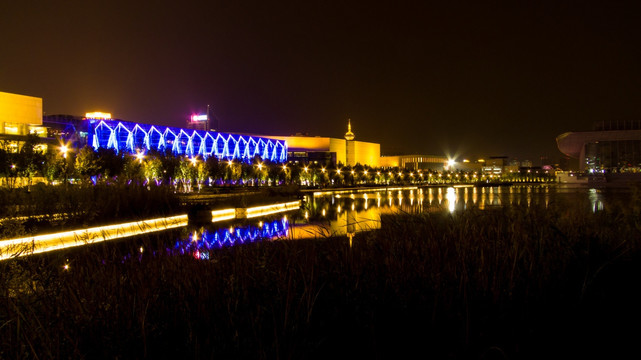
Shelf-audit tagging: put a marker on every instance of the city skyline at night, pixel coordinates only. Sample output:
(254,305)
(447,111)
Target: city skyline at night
(462,80)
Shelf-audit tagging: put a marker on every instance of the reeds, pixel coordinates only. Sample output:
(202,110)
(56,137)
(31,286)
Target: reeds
(54,208)
(518,281)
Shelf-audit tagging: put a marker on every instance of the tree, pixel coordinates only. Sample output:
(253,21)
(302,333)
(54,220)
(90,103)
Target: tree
(30,158)
(201,173)
(4,163)
(132,170)
(186,173)
(54,167)
(110,164)
(214,169)
(86,163)
(232,171)
(152,170)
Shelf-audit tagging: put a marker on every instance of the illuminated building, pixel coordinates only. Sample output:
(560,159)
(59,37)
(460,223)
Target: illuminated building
(415,162)
(98,115)
(205,122)
(328,150)
(613,146)
(133,137)
(495,165)
(20,115)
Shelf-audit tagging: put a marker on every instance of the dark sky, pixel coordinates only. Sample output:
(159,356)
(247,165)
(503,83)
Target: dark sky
(431,77)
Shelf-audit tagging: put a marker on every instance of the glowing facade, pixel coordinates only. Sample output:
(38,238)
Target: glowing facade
(415,162)
(20,115)
(134,138)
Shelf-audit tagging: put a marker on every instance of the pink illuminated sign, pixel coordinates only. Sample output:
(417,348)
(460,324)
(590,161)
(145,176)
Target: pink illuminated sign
(199,118)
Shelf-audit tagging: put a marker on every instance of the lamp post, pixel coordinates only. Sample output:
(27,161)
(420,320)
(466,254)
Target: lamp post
(64,150)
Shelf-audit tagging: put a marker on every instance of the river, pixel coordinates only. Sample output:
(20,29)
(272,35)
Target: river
(346,213)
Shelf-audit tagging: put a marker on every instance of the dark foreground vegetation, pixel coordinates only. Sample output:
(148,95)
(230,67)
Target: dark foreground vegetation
(511,283)
(54,208)
(47,208)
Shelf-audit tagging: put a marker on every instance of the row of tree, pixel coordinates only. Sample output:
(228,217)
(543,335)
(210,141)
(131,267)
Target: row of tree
(187,174)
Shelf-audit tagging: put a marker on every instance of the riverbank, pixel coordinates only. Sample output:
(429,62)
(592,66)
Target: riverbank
(519,282)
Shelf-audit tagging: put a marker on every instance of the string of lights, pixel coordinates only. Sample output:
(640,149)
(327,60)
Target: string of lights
(133,138)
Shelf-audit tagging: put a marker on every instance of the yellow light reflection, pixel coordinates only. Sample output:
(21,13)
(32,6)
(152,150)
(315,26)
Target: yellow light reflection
(67,239)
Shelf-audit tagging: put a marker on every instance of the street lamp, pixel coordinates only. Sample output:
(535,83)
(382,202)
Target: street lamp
(63,150)
(140,156)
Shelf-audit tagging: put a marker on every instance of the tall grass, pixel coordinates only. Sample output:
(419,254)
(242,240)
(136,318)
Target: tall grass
(62,207)
(516,282)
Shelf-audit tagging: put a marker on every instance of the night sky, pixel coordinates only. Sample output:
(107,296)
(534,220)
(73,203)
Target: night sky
(446,78)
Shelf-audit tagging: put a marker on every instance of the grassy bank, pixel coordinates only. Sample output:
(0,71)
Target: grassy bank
(44,208)
(510,283)
(56,208)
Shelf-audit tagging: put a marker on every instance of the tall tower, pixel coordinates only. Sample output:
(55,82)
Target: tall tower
(350,153)
(349,135)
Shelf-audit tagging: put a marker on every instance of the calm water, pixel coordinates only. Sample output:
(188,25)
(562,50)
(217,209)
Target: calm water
(345,214)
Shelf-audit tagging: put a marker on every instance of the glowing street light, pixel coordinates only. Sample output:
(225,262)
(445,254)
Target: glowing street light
(64,150)
(140,156)
(194,161)
(260,166)
(451,163)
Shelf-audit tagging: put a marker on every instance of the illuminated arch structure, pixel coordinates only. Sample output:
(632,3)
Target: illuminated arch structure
(133,138)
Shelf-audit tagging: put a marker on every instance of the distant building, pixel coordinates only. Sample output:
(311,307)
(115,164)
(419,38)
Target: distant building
(328,150)
(203,122)
(415,162)
(495,165)
(20,115)
(613,146)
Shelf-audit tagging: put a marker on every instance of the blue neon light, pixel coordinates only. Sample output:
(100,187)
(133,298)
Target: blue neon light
(212,240)
(132,138)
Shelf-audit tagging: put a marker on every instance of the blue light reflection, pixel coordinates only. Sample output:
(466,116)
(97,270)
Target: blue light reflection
(200,243)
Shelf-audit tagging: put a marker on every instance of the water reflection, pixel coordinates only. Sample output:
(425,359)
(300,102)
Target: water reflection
(596,200)
(200,242)
(346,214)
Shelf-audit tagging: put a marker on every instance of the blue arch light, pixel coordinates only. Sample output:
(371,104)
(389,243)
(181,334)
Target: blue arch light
(132,138)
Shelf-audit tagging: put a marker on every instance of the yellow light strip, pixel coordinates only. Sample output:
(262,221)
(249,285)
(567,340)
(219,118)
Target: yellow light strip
(272,209)
(222,215)
(49,242)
